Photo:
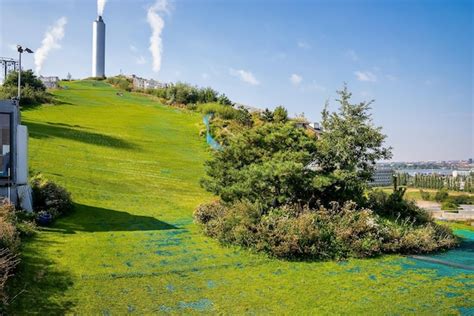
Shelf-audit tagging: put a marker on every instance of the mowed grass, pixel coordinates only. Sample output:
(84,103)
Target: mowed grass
(133,167)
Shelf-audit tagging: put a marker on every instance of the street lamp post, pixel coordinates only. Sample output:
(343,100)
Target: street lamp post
(20,51)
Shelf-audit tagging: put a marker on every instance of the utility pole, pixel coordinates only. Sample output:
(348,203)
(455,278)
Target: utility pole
(20,51)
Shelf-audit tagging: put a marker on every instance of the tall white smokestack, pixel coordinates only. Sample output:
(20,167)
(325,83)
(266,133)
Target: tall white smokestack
(98,47)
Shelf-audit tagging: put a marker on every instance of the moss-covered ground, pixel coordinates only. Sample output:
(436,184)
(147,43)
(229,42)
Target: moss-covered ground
(133,167)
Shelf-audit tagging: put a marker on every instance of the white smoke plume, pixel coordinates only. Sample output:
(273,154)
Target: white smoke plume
(100,7)
(51,40)
(156,22)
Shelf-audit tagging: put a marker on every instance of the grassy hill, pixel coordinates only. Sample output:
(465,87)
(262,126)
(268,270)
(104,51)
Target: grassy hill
(133,167)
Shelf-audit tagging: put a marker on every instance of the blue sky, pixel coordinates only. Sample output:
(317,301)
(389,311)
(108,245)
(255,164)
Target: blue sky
(415,58)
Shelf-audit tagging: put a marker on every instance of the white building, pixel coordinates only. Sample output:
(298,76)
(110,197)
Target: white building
(142,83)
(383,176)
(50,82)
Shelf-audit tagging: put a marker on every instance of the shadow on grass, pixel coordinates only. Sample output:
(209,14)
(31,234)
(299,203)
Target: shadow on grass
(38,286)
(87,218)
(41,131)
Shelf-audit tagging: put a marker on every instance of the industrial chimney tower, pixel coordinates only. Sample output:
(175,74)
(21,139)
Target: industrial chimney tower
(98,48)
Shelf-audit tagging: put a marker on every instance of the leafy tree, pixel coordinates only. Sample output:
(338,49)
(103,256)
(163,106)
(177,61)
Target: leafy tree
(348,149)
(28,78)
(265,164)
(267,115)
(224,100)
(207,95)
(244,117)
(280,114)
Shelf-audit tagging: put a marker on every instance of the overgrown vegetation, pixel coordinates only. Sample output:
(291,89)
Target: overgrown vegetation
(121,82)
(33,91)
(285,192)
(448,202)
(13,225)
(50,200)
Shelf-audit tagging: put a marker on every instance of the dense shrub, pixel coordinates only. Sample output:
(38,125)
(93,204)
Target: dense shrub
(336,232)
(449,206)
(29,96)
(28,78)
(396,206)
(9,236)
(462,199)
(9,245)
(50,198)
(33,91)
(218,110)
(441,195)
(8,262)
(425,195)
(121,82)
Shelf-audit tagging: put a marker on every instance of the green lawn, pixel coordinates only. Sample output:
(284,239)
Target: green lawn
(133,167)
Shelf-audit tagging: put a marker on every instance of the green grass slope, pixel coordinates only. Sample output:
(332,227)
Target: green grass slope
(133,167)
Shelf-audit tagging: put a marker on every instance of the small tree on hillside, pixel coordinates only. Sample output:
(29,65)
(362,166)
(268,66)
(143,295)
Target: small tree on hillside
(28,78)
(348,149)
(267,115)
(280,114)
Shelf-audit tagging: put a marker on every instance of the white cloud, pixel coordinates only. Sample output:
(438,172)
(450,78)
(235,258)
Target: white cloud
(296,79)
(303,44)
(51,40)
(133,48)
(157,24)
(352,55)
(245,76)
(365,76)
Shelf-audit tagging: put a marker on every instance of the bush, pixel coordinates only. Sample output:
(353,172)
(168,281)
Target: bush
(9,245)
(441,195)
(337,232)
(449,206)
(462,199)
(121,82)
(405,238)
(50,198)
(425,195)
(394,206)
(29,96)
(222,111)
(9,236)
(8,262)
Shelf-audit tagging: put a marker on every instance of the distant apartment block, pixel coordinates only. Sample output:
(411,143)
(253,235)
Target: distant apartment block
(382,177)
(50,82)
(313,127)
(142,83)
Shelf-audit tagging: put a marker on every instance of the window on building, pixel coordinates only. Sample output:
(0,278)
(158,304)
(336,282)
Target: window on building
(5,142)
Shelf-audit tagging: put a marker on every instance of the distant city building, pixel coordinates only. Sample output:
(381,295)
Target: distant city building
(457,173)
(50,82)
(382,177)
(142,83)
(312,127)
